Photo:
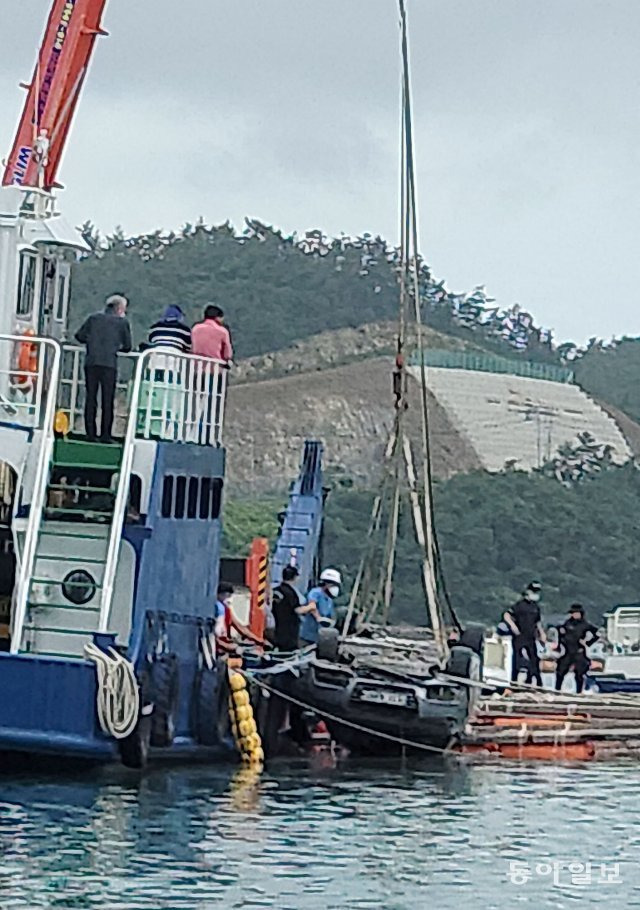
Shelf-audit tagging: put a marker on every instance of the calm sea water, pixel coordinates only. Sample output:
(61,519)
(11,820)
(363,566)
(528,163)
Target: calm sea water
(315,836)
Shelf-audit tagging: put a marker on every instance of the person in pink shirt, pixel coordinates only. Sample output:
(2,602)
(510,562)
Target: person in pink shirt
(210,338)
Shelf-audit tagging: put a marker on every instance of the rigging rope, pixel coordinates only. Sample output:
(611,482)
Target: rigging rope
(399,447)
(118,700)
(410,275)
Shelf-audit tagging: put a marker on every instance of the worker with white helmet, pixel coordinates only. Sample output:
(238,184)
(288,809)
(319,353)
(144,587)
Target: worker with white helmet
(319,609)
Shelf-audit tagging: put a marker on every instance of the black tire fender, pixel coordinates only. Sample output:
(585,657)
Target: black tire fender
(134,749)
(207,720)
(327,646)
(165,690)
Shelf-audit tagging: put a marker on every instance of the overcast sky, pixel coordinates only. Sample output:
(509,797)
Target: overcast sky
(527,129)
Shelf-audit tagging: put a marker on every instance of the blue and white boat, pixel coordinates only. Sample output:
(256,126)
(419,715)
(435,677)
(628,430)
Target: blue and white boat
(111,553)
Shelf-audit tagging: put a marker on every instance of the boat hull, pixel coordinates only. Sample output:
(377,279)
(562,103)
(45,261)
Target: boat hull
(48,708)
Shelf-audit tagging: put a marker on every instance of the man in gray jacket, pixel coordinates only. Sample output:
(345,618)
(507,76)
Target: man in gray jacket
(105,334)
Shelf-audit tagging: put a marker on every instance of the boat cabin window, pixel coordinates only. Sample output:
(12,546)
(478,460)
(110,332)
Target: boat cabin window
(181,493)
(192,507)
(62,293)
(216,498)
(135,498)
(7,492)
(205,497)
(167,496)
(27,283)
(191,497)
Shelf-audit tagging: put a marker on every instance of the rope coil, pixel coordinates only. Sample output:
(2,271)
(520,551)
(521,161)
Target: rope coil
(118,700)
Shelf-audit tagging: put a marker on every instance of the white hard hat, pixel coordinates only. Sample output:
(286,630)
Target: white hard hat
(332,576)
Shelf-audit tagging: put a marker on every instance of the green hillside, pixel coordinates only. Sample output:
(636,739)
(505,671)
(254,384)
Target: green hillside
(613,375)
(278,290)
(275,289)
(497,533)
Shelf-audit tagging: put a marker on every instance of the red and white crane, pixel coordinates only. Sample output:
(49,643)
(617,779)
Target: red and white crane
(53,93)
(37,247)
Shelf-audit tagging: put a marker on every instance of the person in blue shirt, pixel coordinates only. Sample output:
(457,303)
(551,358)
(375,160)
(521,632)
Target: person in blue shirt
(319,609)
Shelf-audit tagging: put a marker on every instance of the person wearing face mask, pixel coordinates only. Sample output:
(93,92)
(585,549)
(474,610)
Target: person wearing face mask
(226,623)
(525,622)
(319,608)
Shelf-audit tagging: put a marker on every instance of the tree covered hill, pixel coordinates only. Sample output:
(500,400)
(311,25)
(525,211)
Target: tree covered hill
(496,532)
(278,290)
(613,375)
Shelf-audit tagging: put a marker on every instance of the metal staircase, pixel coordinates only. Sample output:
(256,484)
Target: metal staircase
(64,593)
(299,540)
(71,545)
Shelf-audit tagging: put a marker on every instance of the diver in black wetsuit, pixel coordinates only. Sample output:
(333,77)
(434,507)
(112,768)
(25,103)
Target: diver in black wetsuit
(575,635)
(524,622)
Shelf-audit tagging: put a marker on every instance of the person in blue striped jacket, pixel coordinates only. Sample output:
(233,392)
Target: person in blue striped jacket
(171,331)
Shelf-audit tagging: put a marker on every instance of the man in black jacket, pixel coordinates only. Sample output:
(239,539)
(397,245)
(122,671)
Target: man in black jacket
(575,635)
(525,624)
(105,334)
(285,603)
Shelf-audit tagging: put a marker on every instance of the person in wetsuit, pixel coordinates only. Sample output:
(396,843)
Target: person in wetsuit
(524,622)
(575,635)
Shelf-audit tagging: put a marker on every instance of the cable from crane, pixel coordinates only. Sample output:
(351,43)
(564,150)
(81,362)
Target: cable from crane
(410,277)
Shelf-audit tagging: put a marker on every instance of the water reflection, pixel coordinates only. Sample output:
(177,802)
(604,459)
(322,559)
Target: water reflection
(315,836)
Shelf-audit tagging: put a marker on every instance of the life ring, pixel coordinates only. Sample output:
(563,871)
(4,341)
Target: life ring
(26,360)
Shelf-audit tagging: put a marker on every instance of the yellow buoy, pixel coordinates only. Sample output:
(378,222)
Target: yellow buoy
(241,698)
(252,741)
(243,724)
(237,682)
(61,423)
(247,727)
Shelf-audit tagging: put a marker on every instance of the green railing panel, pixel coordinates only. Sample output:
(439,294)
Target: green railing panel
(488,363)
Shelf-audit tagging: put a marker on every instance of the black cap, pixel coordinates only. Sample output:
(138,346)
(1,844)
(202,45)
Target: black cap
(576,608)
(225,588)
(534,586)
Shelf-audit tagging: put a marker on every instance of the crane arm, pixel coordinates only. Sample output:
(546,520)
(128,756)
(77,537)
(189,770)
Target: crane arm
(53,93)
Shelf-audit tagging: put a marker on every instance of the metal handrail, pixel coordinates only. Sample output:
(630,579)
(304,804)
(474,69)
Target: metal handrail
(122,493)
(36,508)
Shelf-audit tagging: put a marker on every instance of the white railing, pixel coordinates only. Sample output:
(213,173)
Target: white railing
(36,411)
(177,397)
(71,396)
(181,397)
(24,378)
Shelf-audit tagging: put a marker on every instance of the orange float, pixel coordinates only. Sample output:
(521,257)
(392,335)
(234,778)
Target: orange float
(533,751)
